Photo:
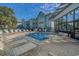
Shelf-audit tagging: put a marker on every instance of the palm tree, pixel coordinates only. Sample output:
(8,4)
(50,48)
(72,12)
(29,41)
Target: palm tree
(14,22)
(6,17)
(6,11)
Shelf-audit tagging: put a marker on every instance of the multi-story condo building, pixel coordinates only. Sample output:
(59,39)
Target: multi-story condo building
(43,22)
(33,24)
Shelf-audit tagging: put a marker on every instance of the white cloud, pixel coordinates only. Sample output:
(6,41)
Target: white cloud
(48,7)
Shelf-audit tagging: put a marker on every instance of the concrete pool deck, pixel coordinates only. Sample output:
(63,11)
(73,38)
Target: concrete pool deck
(58,46)
(5,39)
(54,46)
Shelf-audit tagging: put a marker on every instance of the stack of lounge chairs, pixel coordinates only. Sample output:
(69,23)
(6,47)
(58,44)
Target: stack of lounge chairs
(11,31)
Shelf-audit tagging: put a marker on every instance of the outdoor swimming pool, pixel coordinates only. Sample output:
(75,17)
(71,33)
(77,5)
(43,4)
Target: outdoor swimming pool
(38,36)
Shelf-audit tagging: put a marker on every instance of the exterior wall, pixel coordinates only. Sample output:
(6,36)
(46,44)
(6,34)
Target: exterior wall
(34,24)
(41,21)
(19,22)
(26,24)
(31,23)
(47,21)
(68,9)
(52,25)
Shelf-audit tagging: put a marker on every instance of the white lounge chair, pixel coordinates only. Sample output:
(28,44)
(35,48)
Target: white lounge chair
(24,30)
(1,45)
(6,31)
(51,54)
(22,49)
(1,32)
(16,30)
(19,30)
(27,30)
(12,31)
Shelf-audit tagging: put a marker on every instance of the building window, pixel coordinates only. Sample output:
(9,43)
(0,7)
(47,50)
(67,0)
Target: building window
(63,23)
(55,25)
(77,23)
(77,18)
(70,21)
(59,24)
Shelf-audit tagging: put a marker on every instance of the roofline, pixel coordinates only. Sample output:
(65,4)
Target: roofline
(61,10)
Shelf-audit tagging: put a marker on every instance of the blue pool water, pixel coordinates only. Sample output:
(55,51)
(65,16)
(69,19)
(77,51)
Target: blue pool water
(38,36)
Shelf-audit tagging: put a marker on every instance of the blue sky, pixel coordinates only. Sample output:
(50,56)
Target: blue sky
(29,10)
